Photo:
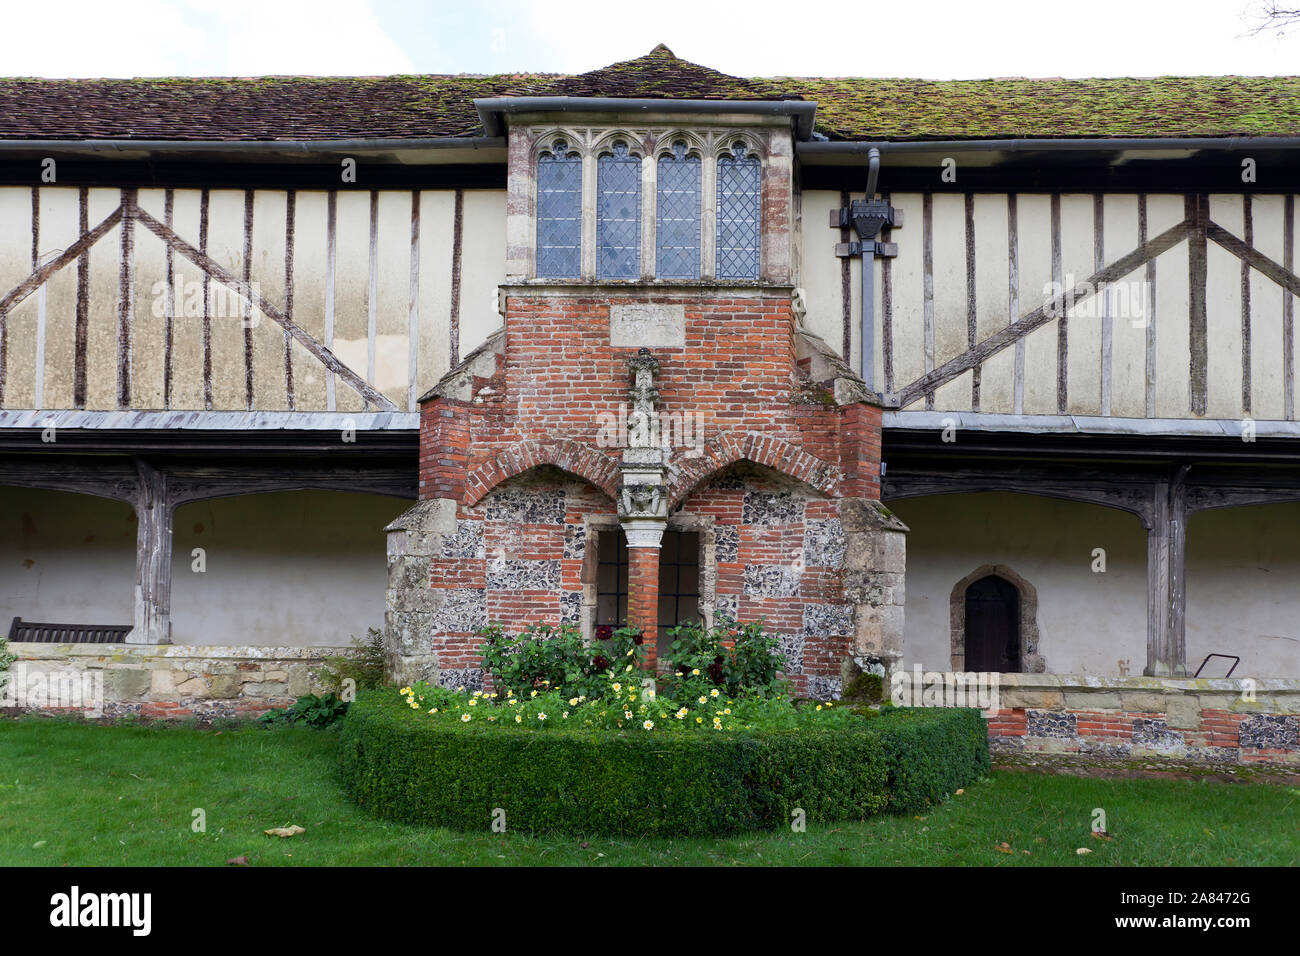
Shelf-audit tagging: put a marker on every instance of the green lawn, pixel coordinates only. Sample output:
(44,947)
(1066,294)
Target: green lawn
(102,795)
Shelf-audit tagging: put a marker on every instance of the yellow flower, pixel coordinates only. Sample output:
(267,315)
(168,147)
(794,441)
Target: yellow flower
(714,692)
(649,725)
(704,700)
(695,672)
(433,710)
(565,715)
(819,706)
(726,710)
(473,702)
(533,694)
(627,715)
(541,716)
(627,669)
(699,720)
(518,719)
(680,714)
(573,702)
(618,688)
(464,718)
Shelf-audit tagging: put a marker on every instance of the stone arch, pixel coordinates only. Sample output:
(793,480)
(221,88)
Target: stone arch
(722,145)
(590,464)
(690,469)
(695,143)
(544,141)
(604,143)
(1030,660)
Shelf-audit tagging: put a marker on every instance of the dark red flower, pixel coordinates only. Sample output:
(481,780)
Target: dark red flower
(601,663)
(604,632)
(638,639)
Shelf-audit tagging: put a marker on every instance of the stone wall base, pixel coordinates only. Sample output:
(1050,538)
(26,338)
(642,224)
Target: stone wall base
(159,681)
(1235,721)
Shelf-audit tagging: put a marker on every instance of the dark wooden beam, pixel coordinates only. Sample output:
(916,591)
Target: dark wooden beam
(251,294)
(1045,313)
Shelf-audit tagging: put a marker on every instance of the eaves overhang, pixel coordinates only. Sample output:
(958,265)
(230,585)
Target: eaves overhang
(493,110)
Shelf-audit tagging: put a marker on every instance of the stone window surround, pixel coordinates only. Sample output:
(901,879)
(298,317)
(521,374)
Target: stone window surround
(1030,660)
(773,148)
(599,525)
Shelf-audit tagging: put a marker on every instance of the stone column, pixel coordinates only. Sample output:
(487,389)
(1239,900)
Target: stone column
(643,504)
(875,561)
(414,538)
(644,537)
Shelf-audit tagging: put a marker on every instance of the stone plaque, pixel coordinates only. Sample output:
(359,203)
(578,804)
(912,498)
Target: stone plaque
(654,326)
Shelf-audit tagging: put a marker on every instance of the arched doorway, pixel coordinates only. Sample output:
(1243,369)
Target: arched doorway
(992,626)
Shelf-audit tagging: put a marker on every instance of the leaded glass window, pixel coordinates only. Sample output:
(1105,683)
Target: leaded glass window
(739,199)
(618,214)
(559,213)
(677,236)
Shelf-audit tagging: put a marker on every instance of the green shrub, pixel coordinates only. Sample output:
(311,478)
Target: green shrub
(557,659)
(738,659)
(311,710)
(402,765)
(363,665)
(931,752)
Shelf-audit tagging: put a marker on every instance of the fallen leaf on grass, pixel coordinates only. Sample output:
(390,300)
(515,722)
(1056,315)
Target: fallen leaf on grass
(1102,835)
(283,832)
(238,861)
(1082,850)
(1004,848)
(960,791)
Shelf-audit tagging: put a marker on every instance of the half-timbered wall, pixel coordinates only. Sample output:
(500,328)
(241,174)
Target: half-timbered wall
(1198,322)
(355,299)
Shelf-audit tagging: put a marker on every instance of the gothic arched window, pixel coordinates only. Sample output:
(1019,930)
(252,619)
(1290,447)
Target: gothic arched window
(618,214)
(559,213)
(739,205)
(677,236)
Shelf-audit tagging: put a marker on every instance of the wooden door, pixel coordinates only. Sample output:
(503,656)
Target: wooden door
(992,626)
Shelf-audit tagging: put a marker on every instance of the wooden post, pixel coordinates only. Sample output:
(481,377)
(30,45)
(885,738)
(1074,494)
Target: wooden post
(1157,579)
(1166,579)
(1176,642)
(153,562)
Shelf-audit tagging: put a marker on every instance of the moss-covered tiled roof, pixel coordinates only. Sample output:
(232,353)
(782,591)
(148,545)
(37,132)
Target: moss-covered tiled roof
(404,107)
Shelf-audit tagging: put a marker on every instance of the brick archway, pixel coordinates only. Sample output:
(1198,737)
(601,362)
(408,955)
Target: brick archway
(687,473)
(591,464)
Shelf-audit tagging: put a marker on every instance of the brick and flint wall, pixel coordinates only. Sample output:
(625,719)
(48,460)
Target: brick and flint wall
(1219,721)
(519,473)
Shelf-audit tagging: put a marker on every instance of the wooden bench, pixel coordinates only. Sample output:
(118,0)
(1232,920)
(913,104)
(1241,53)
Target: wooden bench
(32,631)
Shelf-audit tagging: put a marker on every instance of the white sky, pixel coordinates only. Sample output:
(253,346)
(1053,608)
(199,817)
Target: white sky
(926,38)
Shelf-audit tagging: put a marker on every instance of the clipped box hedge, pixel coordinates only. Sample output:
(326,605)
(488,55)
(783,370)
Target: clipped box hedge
(403,767)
